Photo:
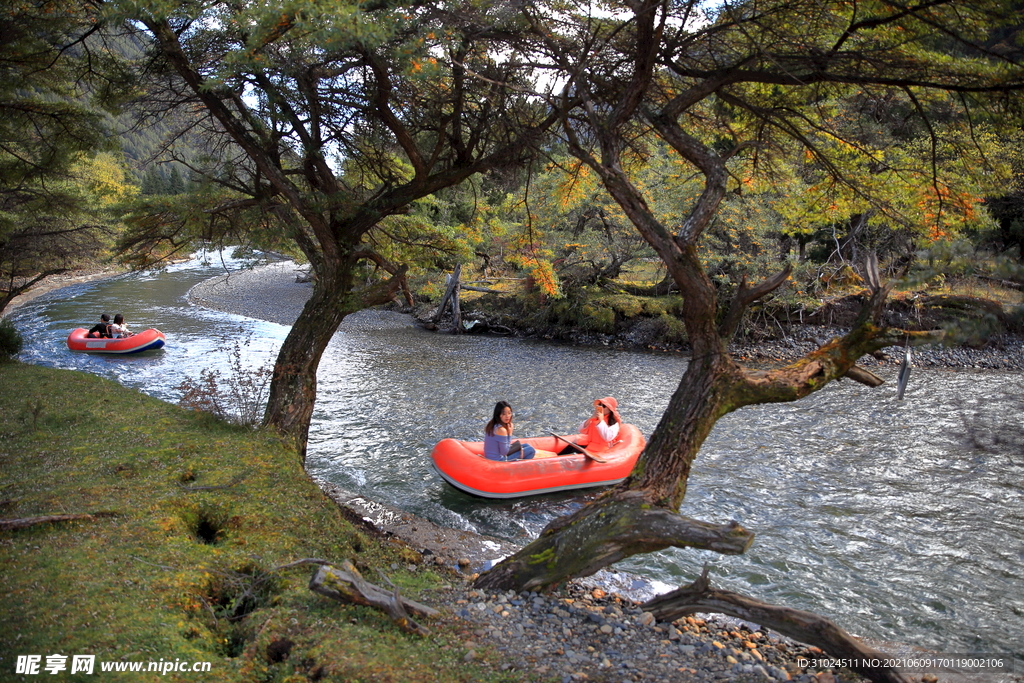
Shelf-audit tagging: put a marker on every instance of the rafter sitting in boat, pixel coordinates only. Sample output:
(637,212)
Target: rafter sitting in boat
(601,429)
(498,443)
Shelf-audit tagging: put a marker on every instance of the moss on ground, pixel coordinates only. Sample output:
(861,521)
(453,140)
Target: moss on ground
(600,314)
(191,518)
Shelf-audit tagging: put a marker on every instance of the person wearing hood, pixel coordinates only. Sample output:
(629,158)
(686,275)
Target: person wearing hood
(601,429)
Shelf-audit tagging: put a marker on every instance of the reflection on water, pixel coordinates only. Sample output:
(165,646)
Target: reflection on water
(866,509)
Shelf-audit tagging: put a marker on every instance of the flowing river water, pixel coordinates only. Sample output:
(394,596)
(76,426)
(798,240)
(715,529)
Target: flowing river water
(867,509)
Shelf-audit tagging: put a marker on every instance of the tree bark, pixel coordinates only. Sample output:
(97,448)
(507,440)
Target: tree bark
(617,526)
(457,306)
(866,377)
(293,388)
(449,291)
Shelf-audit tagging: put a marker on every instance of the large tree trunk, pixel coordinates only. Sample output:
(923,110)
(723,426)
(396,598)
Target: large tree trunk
(293,387)
(702,397)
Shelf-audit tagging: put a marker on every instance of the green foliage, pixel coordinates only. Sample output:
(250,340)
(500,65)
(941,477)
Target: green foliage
(56,191)
(583,232)
(160,226)
(60,224)
(670,329)
(11,341)
(596,318)
(47,63)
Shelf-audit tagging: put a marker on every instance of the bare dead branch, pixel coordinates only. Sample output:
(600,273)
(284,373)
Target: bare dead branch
(859,374)
(745,296)
(346,584)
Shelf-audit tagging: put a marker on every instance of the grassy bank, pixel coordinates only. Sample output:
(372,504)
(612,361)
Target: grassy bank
(189,519)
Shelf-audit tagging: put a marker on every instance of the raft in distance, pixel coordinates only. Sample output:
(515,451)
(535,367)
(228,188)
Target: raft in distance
(137,343)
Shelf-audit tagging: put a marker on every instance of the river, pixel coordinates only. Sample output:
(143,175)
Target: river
(867,509)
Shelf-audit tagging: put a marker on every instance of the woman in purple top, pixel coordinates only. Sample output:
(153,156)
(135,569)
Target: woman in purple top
(498,443)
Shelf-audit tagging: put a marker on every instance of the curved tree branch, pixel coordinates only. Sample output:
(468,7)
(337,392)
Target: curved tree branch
(805,627)
(619,525)
(745,296)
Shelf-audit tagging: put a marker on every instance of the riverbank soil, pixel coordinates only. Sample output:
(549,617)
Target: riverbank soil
(985,320)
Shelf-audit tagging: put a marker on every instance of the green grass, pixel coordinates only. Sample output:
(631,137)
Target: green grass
(169,570)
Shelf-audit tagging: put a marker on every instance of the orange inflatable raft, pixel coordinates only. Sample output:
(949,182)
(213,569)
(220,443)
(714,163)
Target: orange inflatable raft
(463,465)
(137,343)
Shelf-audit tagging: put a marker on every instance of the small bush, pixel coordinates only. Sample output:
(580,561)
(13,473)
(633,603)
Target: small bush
(673,329)
(671,304)
(11,341)
(239,398)
(629,306)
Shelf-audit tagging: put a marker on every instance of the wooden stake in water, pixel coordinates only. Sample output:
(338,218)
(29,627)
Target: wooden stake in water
(904,376)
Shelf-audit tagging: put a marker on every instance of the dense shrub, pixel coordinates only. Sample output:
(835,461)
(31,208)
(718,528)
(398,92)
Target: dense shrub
(598,319)
(11,341)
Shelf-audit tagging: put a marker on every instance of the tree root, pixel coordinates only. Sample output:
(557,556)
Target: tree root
(348,585)
(805,627)
(603,533)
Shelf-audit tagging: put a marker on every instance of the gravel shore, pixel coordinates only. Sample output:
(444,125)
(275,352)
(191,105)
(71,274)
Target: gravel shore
(592,630)
(269,292)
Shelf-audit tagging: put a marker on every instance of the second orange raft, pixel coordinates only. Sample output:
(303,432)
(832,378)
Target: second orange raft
(463,465)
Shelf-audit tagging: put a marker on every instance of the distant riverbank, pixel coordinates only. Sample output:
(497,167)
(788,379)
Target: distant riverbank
(272,293)
(52,282)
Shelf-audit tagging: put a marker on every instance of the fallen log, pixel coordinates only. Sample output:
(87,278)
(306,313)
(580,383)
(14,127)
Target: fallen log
(1009,284)
(346,584)
(805,627)
(970,305)
(859,374)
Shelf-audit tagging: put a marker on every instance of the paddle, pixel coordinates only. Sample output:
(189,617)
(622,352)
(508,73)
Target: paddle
(581,449)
